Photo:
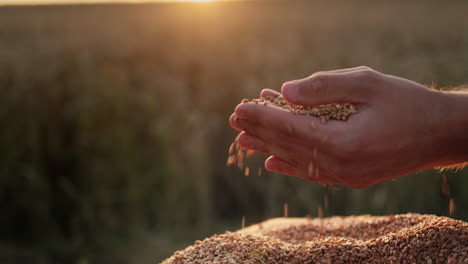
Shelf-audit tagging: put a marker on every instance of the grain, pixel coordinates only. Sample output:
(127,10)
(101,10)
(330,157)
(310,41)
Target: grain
(323,112)
(445,186)
(446,191)
(236,155)
(409,238)
(320,216)
(240,158)
(452,206)
(231,149)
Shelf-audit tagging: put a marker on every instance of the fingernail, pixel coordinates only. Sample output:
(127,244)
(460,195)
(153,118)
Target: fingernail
(290,90)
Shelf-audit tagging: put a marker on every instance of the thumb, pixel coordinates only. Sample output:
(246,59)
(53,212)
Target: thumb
(325,88)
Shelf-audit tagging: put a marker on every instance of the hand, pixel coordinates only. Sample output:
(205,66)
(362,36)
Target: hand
(400,127)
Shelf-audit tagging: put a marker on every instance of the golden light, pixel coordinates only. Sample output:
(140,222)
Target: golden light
(51,2)
(199,1)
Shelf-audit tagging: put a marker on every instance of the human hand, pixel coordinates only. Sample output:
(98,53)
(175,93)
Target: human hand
(399,128)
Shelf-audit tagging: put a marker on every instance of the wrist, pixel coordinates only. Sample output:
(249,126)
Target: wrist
(453,127)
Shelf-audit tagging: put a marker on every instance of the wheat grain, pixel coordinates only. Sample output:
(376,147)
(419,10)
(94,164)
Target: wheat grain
(410,238)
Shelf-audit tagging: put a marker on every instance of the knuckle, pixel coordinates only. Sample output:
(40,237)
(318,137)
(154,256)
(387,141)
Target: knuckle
(367,75)
(368,78)
(317,85)
(282,86)
(363,67)
(317,73)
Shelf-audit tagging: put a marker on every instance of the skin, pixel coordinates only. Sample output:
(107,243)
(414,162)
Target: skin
(400,127)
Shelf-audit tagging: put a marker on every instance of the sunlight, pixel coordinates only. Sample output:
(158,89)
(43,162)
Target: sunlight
(201,1)
(54,2)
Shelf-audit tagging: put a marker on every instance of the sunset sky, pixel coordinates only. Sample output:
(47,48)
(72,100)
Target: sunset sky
(37,2)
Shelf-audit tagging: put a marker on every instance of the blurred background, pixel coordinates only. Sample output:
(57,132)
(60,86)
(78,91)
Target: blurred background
(114,118)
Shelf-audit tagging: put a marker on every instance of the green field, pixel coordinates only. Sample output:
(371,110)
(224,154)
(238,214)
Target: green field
(114,118)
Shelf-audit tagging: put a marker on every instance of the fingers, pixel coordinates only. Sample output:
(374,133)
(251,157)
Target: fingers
(278,165)
(353,86)
(269,92)
(261,139)
(289,159)
(253,143)
(290,152)
(256,130)
(233,121)
(279,123)
(295,156)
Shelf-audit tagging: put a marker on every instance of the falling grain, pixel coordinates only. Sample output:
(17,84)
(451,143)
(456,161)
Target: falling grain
(445,187)
(285,210)
(231,160)
(250,153)
(323,112)
(320,216)
(231,149)
(240,159)
(452,206)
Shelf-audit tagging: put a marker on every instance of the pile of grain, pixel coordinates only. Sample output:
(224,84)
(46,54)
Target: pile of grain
(324,112)
(410,238)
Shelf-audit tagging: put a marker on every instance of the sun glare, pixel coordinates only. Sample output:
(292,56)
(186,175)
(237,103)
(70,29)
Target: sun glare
(200,1)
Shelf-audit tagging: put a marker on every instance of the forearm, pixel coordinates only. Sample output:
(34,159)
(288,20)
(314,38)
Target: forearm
(455,125)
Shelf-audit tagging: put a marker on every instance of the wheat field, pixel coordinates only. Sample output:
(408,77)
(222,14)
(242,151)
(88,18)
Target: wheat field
(114,118)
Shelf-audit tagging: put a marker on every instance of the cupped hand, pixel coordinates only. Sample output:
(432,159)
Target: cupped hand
(395,131)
